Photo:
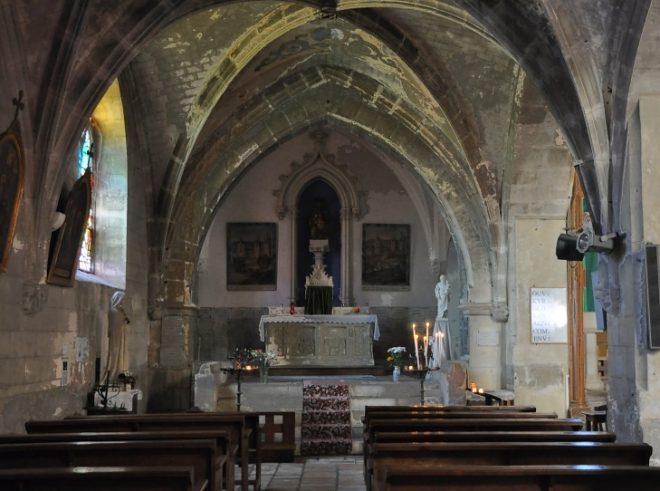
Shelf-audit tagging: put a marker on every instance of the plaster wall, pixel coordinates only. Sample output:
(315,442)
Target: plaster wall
(384,200)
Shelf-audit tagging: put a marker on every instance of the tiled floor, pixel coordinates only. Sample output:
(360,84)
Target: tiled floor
(315,474)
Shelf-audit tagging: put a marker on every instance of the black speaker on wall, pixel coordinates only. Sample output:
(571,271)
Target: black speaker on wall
(653,296)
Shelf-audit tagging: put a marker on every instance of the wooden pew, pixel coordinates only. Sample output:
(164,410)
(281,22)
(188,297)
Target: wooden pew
(470,424)
(98,478)
(456,415)
(225,456)
(242,427)
(461,424)
(508,478)
(278,433)
(196,454)
(430,455)
(418,407)
(493,436)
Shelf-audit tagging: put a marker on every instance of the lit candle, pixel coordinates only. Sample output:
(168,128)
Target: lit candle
(427,341)
(415,339)
(481,390)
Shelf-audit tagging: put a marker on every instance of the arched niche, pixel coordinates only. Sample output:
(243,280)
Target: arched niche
(318,193)
(321,166)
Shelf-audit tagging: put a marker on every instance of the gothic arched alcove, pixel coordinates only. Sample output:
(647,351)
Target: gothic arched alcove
(318,191)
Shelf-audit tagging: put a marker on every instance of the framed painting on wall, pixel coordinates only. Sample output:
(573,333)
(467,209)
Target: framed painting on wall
(64,261)
(12,171)
(385,256)
(251,256)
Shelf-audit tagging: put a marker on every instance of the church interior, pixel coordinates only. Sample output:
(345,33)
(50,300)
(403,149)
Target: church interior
(203,200)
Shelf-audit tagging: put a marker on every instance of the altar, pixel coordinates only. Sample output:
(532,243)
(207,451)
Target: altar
(320,340)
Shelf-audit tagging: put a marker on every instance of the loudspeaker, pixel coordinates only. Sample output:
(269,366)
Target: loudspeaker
(653,296)
(566,249)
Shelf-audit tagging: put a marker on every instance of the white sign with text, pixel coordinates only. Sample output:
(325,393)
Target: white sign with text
(549,315)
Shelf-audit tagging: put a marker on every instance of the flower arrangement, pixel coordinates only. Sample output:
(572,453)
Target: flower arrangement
(395,356)
(262,358)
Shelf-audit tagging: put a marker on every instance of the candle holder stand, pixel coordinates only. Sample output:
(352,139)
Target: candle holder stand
(237,372)
(421,374)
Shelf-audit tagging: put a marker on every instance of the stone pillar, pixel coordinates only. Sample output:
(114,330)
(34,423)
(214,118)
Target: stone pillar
(171,386)
(347,215)
(485,366)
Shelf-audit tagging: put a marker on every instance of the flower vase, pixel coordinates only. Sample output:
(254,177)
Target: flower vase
(396,373)
(263,375)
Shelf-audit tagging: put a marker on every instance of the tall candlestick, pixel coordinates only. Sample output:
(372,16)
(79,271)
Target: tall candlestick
(427,339)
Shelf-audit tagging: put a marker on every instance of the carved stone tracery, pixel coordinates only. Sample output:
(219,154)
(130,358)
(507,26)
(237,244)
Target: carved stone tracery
(321,165)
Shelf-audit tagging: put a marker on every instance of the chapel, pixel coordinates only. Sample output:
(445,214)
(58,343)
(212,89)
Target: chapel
(185,185)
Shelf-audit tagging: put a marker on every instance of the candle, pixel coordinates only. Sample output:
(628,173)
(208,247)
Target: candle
(417,351)
(437,348)
(481,390)
(427,339)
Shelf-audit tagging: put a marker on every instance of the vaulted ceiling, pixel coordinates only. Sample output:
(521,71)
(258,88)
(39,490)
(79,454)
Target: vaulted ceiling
(211,86)
(422,81)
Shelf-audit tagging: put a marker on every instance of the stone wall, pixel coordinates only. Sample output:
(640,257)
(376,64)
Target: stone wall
(44,328)
(540,189)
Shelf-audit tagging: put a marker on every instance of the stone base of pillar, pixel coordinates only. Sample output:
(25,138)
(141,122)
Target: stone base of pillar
(452,381)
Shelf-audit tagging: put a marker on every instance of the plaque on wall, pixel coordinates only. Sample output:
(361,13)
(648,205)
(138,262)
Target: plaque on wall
(549,315)
(385,257)
(251,256)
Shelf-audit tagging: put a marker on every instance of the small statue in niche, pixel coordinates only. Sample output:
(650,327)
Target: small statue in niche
(441,325)
(317,224)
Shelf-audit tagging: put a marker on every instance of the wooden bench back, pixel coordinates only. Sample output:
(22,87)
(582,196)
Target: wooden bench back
(457,415)
(200,455)
(493,436)
(278,435)
(99,479)
(506,478)
(240,432)
(471,424)
(476,409)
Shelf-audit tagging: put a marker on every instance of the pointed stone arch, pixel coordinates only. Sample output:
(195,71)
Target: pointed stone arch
(321,165)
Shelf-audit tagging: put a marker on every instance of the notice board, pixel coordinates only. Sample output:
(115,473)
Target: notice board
(549,315)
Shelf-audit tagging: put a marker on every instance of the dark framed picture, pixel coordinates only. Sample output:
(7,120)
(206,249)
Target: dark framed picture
(385,256)
(251,256)
(64,261)
(12,174)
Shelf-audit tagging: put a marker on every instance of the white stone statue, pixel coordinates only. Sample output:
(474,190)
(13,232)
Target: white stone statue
(441,350)
(117,338)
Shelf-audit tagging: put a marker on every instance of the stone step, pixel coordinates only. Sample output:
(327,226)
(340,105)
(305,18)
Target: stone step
(286,394)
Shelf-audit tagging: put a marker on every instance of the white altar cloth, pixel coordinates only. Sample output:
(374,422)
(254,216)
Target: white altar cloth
(326,319)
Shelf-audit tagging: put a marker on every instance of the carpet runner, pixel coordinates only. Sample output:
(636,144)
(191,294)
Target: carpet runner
(326,419)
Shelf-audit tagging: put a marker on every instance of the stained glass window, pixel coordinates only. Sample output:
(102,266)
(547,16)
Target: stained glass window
(85,157)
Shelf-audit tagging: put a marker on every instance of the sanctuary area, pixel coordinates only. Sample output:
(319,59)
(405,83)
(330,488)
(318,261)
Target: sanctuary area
(325,227)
